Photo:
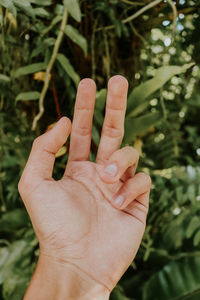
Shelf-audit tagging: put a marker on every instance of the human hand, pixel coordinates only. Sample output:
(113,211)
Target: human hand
(90,222)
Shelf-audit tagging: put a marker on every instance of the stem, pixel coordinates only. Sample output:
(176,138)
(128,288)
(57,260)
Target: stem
(93,51)
(107,52)
(137,34)
(55,96)
(49,68)
(175,14)
(134,16)
(132,3)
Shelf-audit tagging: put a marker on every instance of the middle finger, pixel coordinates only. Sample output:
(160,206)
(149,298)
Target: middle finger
(113,126)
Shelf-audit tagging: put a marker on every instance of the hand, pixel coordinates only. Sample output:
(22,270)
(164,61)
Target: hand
(90,222)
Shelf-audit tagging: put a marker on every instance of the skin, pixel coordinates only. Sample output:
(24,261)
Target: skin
(90,223)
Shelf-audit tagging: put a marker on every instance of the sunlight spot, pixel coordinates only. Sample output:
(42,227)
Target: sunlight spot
(167,42)
(176,211)
(27,36)
(137,76)
(181,16)
(166,22)
(154,102)
(181,114)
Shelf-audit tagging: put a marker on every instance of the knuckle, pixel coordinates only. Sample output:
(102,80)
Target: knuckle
(20,186)
(37,141)
(25,184)
(113,132)
(84,131)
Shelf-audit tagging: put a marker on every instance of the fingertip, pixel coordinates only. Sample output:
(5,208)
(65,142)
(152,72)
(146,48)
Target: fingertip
(86,94)
(63,124)
(118,83)
(88,83)
(109,173)
(66,122)
(58,135)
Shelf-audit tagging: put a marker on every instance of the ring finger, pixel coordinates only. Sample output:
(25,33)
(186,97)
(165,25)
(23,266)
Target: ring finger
(121,165)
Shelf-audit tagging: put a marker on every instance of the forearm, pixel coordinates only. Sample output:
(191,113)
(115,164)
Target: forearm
(61,281)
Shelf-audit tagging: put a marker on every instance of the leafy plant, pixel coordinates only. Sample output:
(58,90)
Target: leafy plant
(46,47)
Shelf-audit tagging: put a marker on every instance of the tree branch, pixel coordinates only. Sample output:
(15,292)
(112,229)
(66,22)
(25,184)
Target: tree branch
(49,68)
(134,16)
(55,96)
(175,14)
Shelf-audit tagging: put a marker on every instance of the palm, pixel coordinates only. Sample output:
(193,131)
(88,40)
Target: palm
(86,229)
(75,218)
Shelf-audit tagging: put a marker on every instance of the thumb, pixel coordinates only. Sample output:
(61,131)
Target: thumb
(42,157)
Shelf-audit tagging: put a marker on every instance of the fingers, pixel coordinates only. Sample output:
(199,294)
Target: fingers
(121,164)
(132,189)
(80,140)
(113,126)
(42,156)
(139,207)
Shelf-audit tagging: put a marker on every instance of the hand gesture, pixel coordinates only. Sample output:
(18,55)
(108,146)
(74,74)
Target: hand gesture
(90,222)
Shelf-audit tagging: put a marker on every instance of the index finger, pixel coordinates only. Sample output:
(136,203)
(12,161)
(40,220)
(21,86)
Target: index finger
(82,122)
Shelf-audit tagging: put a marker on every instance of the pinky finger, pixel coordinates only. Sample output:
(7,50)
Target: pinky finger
(132,189)
(138,208)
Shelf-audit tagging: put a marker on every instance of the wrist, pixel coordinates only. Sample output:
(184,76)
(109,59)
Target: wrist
(60,281)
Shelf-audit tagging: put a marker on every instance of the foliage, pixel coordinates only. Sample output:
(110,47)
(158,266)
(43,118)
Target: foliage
(100,39)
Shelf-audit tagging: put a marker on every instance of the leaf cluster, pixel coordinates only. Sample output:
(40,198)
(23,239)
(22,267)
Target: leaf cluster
(162,122)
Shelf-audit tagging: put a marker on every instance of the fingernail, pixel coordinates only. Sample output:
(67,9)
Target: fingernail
(111,169)
(118,201)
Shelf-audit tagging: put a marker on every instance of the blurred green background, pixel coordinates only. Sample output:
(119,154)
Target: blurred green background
(156,45)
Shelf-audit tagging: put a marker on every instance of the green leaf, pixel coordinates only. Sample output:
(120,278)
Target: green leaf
(193,225)
(30,69)
(73,8)
(18,251)
(12,220)
(141,93)
(15,271)
(33,95)
(140,125)
(42,46)
(4,252)
(98,117)
(4,78)
(177,280)
(16,285)
(76,37)
(41,12)
(25,6)
(55,20)
(9,5)
(101,99)
(196,240)
(99,107)
(69,69)
(95,135)
(118,294)
(42,2)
